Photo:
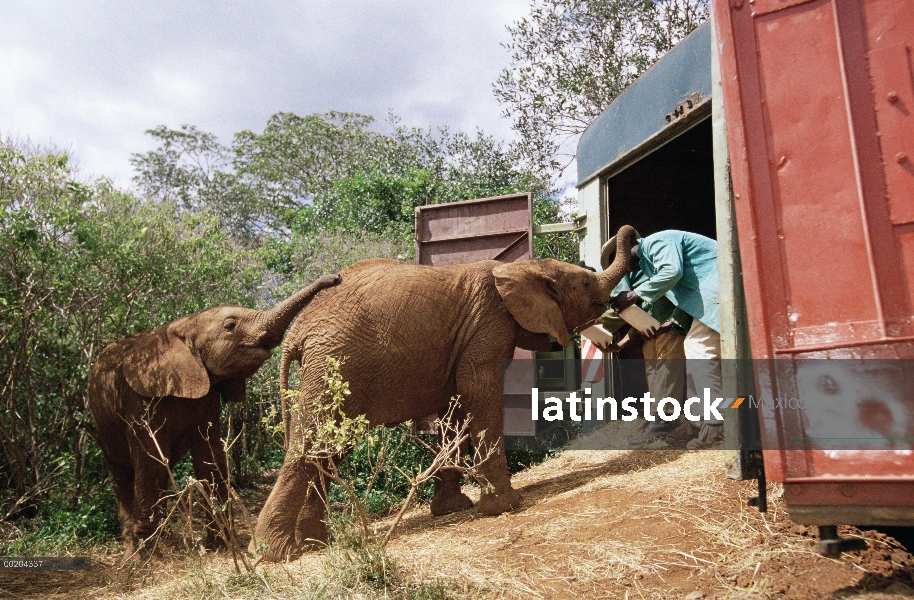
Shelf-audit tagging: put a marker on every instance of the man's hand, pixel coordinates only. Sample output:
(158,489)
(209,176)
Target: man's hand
(623,300)
(652,332)
(614,347)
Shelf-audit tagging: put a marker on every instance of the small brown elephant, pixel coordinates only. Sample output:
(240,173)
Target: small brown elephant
(412,337)
(172,378)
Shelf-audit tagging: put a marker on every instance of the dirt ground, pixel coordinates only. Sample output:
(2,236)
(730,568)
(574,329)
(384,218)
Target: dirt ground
(639,524)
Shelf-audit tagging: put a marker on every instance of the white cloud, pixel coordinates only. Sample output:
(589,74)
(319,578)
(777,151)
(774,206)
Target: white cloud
(93,76)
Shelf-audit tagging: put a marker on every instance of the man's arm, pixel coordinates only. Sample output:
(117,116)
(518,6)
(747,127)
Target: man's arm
(666,258)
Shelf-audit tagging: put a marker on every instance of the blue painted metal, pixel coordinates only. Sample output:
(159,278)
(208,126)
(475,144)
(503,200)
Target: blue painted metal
(640,111)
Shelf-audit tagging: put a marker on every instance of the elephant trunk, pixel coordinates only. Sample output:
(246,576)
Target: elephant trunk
(277,319)
(613,274)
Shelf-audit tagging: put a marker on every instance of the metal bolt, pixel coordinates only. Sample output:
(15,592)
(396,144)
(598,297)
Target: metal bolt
(901,158)
(737,4)
(893,97)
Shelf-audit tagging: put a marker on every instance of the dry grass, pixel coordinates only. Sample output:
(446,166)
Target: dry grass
(614,524)
(594,524)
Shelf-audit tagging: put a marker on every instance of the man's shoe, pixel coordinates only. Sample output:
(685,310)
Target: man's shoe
(708,437)
(654,430)
(681,436)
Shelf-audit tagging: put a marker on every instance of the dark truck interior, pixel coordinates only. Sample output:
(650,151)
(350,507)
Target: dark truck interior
(671,188)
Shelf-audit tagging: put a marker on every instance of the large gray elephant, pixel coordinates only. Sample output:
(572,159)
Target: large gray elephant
(412,337)
(173,378)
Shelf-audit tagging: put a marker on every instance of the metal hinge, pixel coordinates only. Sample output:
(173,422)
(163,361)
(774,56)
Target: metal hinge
(684,107)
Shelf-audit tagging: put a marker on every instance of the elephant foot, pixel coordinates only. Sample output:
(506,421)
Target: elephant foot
(284,548)
(495,504)
(276,552)
(130,550)
(129,539)
(451,503)
(284,552)
(447,497)
(311,530)
(146,539)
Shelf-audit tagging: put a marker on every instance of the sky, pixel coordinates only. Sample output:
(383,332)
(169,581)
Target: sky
(91,77)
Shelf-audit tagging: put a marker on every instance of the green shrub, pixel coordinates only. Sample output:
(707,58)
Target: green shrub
(62,529)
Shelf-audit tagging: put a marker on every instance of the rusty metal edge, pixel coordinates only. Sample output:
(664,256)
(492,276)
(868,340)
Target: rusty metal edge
(471,201)
(806,514)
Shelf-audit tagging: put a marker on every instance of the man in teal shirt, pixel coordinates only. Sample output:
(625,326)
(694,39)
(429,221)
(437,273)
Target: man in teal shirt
(682,267)
(664,356)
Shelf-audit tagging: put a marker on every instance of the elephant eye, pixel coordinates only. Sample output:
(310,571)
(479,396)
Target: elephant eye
(229,324)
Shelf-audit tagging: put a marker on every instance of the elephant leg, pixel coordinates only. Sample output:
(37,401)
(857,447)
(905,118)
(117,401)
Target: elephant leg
(480,387)
(211,467)
(447,496)
(150,484)
(122,479)
(311,523)
(292,519)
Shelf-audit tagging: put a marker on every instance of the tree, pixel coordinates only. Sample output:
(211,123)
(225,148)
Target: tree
(378,202)
(332,173)
(182,167)
(297,159)
(194,170)
(304,178)
(571,58)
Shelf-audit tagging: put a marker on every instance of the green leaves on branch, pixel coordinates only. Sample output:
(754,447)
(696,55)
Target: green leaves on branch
(335,431)
(571,58)
(297,159)
(372,202)
(81,265)
(193,170)
(322,429)
(325,173)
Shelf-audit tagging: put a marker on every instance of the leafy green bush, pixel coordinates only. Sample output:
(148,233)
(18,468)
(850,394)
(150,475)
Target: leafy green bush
(389,487)
(82,265)
(360,568)
(60,529)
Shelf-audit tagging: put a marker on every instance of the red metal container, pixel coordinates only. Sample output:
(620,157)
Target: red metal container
(819,101)
(483,229)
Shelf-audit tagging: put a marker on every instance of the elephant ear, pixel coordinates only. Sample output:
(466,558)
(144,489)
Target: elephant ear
(530,295)
(161,363)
